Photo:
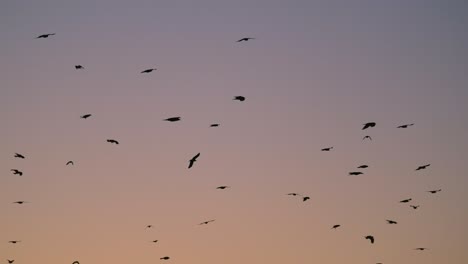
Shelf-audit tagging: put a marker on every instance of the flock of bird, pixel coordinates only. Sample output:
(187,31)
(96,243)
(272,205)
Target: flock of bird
(192,161)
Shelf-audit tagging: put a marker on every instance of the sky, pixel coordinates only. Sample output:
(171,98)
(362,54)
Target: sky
(314,74)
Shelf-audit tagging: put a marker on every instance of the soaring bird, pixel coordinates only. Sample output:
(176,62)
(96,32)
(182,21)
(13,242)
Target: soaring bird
(165,258)
(214,125)
(113,141)
(244,39)
(14,241)
(367,125)
(45,35)
(435,191)
(222,187)
(305,198)
(367,137)
(149,226)
(335,226)
(327,149)
(423,167)
(405,126)
(70,163)
(155,241)
(10,261)
(414,206)
(391,222)
(20,202)
(293,194)
(406,200)
(17,155)
(355,173)
(173,119)
(239,98)
(371,238)
(192,161)
(76,262)
(363,167)
(79,67)
(15,171)
(421,249)
(148,70)
(206,222)
(85,116)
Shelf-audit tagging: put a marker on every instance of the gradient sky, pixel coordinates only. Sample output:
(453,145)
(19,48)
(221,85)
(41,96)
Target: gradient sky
(315,73)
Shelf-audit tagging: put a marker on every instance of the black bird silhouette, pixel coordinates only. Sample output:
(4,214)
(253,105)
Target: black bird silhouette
(45,35)
(155,241)
(327,149)
(222,187)
(371,238)
(173,119)
(335,226)
(391,222)
(85,116)
(14,241)
(355,173)
(406,200)
(206,222)
(192,161)
(423,167)
(113,141)
(363,167)
(414,206)
(10,261)
(367,137)
(293,194)
(214,125)
(79,67)
(435,191)
(17,155)
(165,258)
(305,198)
(367,125)
(76,262)
(421,249)
(148,226)
(148,70)
(20,202)
(70,163)
(15,171)
(244,39)
(405,126)
(239,98)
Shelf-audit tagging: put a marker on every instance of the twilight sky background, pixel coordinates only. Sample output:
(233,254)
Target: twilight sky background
(315,73)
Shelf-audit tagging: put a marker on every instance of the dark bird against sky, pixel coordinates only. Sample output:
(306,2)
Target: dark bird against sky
(423,167)
(173,119)
(435,191)
(414,206)
(406,200)
(17,155)
(14,241)
(363,167)
(327,149)
(222,187)
(405,126)
(355,173)
(367,137)
(113,141)
(391,222)
(239,98)
(79,67)
(371,239)
(335,226)
(17,172)
(165,258)
(244,39)
(86,116)
(45,35)
(206,222)
(70,163)
(192,160)
(367,125)
(148,70)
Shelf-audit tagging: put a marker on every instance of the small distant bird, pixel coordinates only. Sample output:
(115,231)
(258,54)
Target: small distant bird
(363,167)
(14,241)
(20,202)
(367,125)
(222,187)
(149,226)
(214,125)
(367,137)
(355,173)
(305,198)
(244,39)
(293,194)
(85,116)
(414,206)
(371,238)
(206,222)
(423,167)
(192,161)
(76,262)
(15,171)
(392,222)
(406,200)
(405,126)
(148,70)
(79,67)
(173,119)
(45,35)
(327,149)
(335,226)
(421,249)
(155,241)
(113,141)
(10,261)
(239,98)
(435,191)
(70,163)
(17,155)
(165,258)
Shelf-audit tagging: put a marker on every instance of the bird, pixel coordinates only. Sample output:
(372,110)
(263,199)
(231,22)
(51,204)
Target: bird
(421,249)
(414,206)
(113,141)
(149,226)
(327,149)
(305,198)
(148,70)
(17,155)
(367,125)
(244,39)
(206,222)
(192,160)
(214,125)
(363,167)
(335,226)
(435,191)
(15,171)
(155,241)
(45,35)
(10,261)
(371,238)
(76,262)
(70,163)
(355,173)
(239,98)
(85,116)
(222,187)
(293,194)
(165,258)
(20,202)
(406,200)
(391,222)
(367,137)
(405,126)
(14,241)
(423,167)
(79,67)
(173,119)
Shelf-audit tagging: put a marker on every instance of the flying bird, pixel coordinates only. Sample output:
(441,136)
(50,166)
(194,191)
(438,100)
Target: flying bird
(327,149)
(222,187)
(214,125)
(367,125)
(363,167)
(148,226)
(75,262)
(45,35)
(305,198)
(423,167)
(244,39)
(406,200)
(20,202)
(113,141)
(148,70)
(435,191)
(335,226)
(293,194)
(14,241)
(367,137)
(70,163)
(15,171)
(414,206)
(206,222)
(10,261)
(173,119)
(405,126)
(17,155)
(391,222)
(79,67)
(355,173)
(165,258)
(371,238)
(239,98)
(421,249)
(155,241)
(192,161)
(85,116)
